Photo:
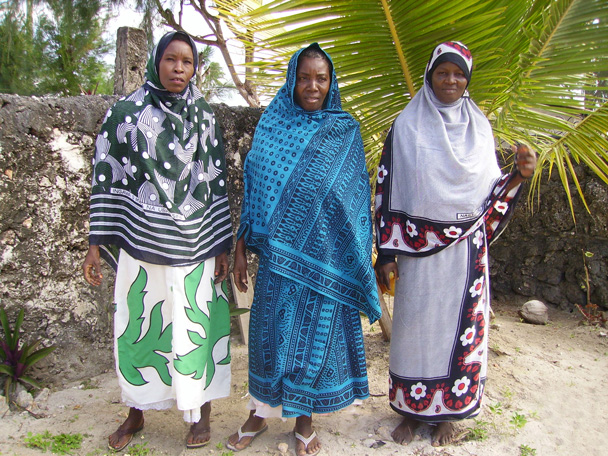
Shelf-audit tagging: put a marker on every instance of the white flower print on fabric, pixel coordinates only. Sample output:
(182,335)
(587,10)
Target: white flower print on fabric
(477,287)
(461,386)
(411,229)
(468,336)
(501,207)
(382,173)
(418,390)
(452,232)
(478,239)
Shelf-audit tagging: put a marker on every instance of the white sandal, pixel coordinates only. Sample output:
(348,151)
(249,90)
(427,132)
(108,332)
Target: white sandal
(251,434)
(306,441)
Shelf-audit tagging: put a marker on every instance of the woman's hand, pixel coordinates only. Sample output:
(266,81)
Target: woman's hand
(91,268)
(384,271)
(239,268)
(221,267)
(525,161)
(525,164)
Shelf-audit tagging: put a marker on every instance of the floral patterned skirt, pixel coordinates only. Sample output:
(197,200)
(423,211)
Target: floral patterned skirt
(439,342)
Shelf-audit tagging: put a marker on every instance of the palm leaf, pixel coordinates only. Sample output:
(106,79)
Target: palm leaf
(540,66)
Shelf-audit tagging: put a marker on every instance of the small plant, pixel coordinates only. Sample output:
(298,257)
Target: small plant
(228,453)
(525,450)
(518,420)
(592,314)
(87,384)
(496,409)
(40,441)
(219,446)
(58,444)
(139,449)
(479,432)
(17,356)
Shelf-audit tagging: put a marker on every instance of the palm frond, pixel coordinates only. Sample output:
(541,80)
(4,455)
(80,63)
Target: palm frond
(540,72)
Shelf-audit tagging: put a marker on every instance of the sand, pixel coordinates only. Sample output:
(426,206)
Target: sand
(545,395)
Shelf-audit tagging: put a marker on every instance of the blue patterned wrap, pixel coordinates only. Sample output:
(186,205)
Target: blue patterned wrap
(307,214)
(307,202)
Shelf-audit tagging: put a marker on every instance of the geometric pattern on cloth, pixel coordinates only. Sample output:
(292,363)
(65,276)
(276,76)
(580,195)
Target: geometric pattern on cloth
(172,331)
(306,351)
(307,199)
(306,213)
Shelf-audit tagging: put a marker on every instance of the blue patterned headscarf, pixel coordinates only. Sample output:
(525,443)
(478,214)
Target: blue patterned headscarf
(307,197)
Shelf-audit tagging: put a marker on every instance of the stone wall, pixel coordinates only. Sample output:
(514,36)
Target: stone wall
(46,146)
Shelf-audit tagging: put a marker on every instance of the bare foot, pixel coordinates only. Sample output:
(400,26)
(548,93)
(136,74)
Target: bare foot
(404,433)
(253,427)
(444,434)
(124,434)
(306,446)
(200,432)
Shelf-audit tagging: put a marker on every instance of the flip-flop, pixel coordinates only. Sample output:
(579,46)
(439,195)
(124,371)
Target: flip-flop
(131,434)
(251,434)
(306,441)
(196,445)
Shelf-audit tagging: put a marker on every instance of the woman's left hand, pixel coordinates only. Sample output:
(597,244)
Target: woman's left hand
(525,161)
(221,267)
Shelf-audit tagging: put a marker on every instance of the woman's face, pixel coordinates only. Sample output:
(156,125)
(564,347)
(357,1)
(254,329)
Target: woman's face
(312,83)
(448,82)
(176,66)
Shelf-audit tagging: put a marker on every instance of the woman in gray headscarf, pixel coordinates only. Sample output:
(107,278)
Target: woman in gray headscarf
(440,199)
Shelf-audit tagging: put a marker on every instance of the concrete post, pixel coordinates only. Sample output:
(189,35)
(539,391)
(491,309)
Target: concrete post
(131,59)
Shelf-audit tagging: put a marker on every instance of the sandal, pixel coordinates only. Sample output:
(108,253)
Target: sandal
(251,434)
(123,433)
(195,445)
(306,441)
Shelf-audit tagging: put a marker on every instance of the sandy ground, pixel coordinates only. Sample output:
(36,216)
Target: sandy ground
(551,380)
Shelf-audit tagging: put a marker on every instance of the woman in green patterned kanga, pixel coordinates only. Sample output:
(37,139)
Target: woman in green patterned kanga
(160,217)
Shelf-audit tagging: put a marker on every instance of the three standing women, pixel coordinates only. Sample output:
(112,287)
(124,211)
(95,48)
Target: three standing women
(440,199)
(160,216)
(306,214)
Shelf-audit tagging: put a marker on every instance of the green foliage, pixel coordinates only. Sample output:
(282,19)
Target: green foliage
(518,420)
(17,356)
(525,450)
(479,432)
(18,56)
(496,409)
(74,47)
(58,444)
(210,77)
(58,50)
(139,449)
(540,66)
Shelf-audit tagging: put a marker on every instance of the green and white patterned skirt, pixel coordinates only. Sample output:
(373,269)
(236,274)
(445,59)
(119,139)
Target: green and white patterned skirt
(171,336)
